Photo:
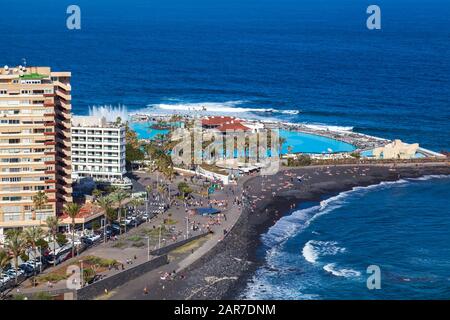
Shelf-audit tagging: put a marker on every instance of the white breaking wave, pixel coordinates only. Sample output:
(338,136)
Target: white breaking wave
(347,273)
(430,177)
(309,253)
(261,286)
(329,128)
(315,249)
(299,220)
(216,107)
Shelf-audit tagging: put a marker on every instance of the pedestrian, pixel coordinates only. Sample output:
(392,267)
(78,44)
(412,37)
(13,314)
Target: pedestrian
(145,290)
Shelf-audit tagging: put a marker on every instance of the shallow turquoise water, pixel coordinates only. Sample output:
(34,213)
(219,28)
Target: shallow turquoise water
(299,141)
(144,131)
(309,143)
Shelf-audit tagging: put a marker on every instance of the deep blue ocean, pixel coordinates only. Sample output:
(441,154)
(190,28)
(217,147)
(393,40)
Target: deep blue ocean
(311,61)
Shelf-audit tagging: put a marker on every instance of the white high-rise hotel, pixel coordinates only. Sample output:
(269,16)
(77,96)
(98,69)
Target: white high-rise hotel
(98,149)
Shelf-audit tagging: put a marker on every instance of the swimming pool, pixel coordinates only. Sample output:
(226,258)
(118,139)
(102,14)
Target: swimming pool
(369,154)
(299,141)
(309,143)
(144,131)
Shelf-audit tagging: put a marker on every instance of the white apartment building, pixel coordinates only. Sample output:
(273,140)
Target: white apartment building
(98,149)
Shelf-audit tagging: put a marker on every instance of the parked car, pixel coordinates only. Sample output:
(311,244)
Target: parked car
(27,269)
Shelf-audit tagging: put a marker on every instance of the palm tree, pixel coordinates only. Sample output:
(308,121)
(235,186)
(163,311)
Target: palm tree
(39,200)
(72,210)
(5,258)
(136,202)
(53,225)
(282,141)
(149,190)
(105,203)
(97,193)
(119,196)
(32,236)
(16,245)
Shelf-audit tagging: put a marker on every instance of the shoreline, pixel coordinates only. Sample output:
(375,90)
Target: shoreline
(224,271)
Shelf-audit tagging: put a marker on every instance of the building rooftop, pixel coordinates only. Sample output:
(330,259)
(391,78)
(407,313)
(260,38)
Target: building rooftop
(93,122)
(218,120)
(233,125)
(29,72)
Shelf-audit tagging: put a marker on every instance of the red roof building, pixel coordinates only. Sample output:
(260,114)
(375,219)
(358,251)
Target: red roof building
(233,126)
(216,121)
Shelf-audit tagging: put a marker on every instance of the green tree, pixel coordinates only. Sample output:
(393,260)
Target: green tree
(61,239)
(16,245)
(40,199)
(105,203)
(53,225)
(118,197)
(97,193)
(136,202)
(5,259)
(184,189)
(149,190)
(72,210)
(33,235)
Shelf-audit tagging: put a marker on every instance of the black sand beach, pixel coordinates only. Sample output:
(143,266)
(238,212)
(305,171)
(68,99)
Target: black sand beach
(225,270)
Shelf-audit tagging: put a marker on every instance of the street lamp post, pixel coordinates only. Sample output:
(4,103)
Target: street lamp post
(148,248)
(82,273)
(40,259)
(103,224)
(187,225)
(159,237)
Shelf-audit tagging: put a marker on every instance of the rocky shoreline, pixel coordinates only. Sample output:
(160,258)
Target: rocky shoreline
(224,272)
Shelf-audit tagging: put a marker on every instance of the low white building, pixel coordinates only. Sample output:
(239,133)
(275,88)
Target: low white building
(396,150)
(98,149)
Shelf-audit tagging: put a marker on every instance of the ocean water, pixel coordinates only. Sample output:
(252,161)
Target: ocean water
(309,61)
(322,251)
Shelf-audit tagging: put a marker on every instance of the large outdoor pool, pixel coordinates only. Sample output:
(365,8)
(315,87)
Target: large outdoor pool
(310,143)
(299,141)
(144,131)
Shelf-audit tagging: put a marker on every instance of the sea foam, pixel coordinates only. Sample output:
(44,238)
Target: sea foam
(315,249)
(216,108)
(347,273)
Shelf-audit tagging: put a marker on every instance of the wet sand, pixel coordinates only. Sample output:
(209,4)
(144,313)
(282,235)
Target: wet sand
(223,272)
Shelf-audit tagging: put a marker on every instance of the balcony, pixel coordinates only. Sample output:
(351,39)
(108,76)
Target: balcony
(50,171)
(50,191)
(50,181)
(49,115)
(49,124)
(64,95)
(50,153)
(49,104)
(49,143)
(49,133)
(49,162)
(49,95)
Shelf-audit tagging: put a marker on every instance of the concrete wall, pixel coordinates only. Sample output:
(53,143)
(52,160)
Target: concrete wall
(173,246)
(98,288)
